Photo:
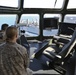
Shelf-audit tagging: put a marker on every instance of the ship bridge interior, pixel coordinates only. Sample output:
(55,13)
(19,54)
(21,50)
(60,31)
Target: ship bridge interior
(44,28)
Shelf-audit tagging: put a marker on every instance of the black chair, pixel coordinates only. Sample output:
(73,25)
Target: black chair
(56,59)
(23,41)
(65,31)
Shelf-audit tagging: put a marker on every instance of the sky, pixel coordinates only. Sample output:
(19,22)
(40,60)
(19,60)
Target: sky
(42,3)
(13,3)
(32,3)
(38,3)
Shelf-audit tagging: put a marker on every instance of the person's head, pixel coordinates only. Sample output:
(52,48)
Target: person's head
(11,33)
(4,26)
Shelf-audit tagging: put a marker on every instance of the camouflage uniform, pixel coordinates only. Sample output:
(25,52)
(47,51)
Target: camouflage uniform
(2,37)
(13,59)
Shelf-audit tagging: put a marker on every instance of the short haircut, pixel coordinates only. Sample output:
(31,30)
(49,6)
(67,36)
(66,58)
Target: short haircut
(4,26)
(11,32)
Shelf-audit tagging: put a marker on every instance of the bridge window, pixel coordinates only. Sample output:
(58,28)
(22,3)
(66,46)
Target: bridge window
(54,19)
(71,4)
(43,3)
(30,23)
(9,19)
(70,18)
(9,3)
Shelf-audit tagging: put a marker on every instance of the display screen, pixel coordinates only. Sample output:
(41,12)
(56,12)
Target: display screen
(66,28)
(51,23)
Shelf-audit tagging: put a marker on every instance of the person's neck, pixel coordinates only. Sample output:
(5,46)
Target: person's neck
(13,41)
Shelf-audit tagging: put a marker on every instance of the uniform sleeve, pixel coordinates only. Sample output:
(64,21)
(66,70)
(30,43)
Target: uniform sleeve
(26,59)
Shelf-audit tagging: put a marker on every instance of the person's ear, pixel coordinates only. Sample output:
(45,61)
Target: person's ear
(16,35)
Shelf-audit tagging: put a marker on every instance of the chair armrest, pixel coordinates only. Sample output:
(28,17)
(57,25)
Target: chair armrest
(51,55)
(60,39)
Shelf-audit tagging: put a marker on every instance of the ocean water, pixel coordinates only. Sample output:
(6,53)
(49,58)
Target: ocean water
(34,31)
(31,30)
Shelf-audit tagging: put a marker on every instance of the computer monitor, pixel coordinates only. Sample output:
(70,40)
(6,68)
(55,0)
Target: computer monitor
(51,23)
(66,28)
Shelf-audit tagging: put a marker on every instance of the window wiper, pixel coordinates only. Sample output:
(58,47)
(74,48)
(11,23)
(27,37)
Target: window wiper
(55,3)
